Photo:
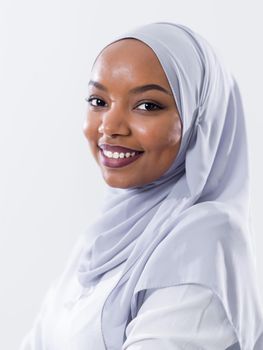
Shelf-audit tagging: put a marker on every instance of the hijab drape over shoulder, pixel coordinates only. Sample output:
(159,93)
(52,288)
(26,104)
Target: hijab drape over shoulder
(192,225)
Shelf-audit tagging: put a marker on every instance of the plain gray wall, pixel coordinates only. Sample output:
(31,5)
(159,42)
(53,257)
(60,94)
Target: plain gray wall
(50,186)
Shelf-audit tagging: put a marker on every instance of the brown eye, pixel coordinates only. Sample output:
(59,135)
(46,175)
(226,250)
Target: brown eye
(96,102)
(149,106)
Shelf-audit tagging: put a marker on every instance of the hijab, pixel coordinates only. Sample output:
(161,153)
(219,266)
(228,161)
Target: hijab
(193,224)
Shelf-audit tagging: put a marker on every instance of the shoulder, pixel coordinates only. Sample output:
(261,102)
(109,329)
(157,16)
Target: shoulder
(182,314)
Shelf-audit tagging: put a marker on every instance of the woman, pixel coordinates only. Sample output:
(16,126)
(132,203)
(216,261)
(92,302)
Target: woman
(169,263)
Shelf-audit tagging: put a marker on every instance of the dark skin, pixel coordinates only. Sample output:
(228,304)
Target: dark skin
(146,121)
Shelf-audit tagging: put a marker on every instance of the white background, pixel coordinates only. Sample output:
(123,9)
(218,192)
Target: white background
(49,184)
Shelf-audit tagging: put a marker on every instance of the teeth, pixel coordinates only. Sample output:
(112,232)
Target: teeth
(108,154)
(117,155)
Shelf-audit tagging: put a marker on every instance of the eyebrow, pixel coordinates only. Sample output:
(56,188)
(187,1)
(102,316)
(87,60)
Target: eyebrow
(135,90)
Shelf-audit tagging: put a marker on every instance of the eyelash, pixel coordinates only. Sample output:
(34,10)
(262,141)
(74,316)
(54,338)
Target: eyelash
(89,100)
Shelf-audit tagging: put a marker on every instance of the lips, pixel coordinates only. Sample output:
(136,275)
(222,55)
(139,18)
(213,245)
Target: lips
(128,155)
(117,148)
(118,163)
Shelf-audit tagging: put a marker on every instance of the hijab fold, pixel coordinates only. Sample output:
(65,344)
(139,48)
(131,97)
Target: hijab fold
(192,225)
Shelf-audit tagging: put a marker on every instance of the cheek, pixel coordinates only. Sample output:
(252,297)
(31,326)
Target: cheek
(90,129)
(174,133)
(161,136)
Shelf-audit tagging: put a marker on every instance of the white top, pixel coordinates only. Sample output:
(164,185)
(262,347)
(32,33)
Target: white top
(185,317)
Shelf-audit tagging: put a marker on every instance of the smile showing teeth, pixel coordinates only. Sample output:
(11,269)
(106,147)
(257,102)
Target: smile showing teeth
(117,155)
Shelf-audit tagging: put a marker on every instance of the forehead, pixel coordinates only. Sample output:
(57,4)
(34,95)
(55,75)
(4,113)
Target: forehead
(125,47)
(129,59)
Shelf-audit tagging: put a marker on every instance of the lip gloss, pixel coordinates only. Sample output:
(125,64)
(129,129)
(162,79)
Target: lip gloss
(118,162)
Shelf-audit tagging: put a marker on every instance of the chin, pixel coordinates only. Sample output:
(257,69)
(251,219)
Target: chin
(119,182)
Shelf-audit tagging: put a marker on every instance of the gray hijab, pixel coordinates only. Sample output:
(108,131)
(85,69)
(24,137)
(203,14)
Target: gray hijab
(192,225)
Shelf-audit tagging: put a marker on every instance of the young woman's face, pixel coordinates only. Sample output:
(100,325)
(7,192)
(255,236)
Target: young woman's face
(132,124)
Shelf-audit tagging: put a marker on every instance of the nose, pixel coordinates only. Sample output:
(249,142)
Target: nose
(114,122)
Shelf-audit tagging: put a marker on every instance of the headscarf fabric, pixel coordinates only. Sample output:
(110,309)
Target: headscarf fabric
(193,224)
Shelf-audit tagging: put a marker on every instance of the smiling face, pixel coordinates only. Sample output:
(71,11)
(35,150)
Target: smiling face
(132,124)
